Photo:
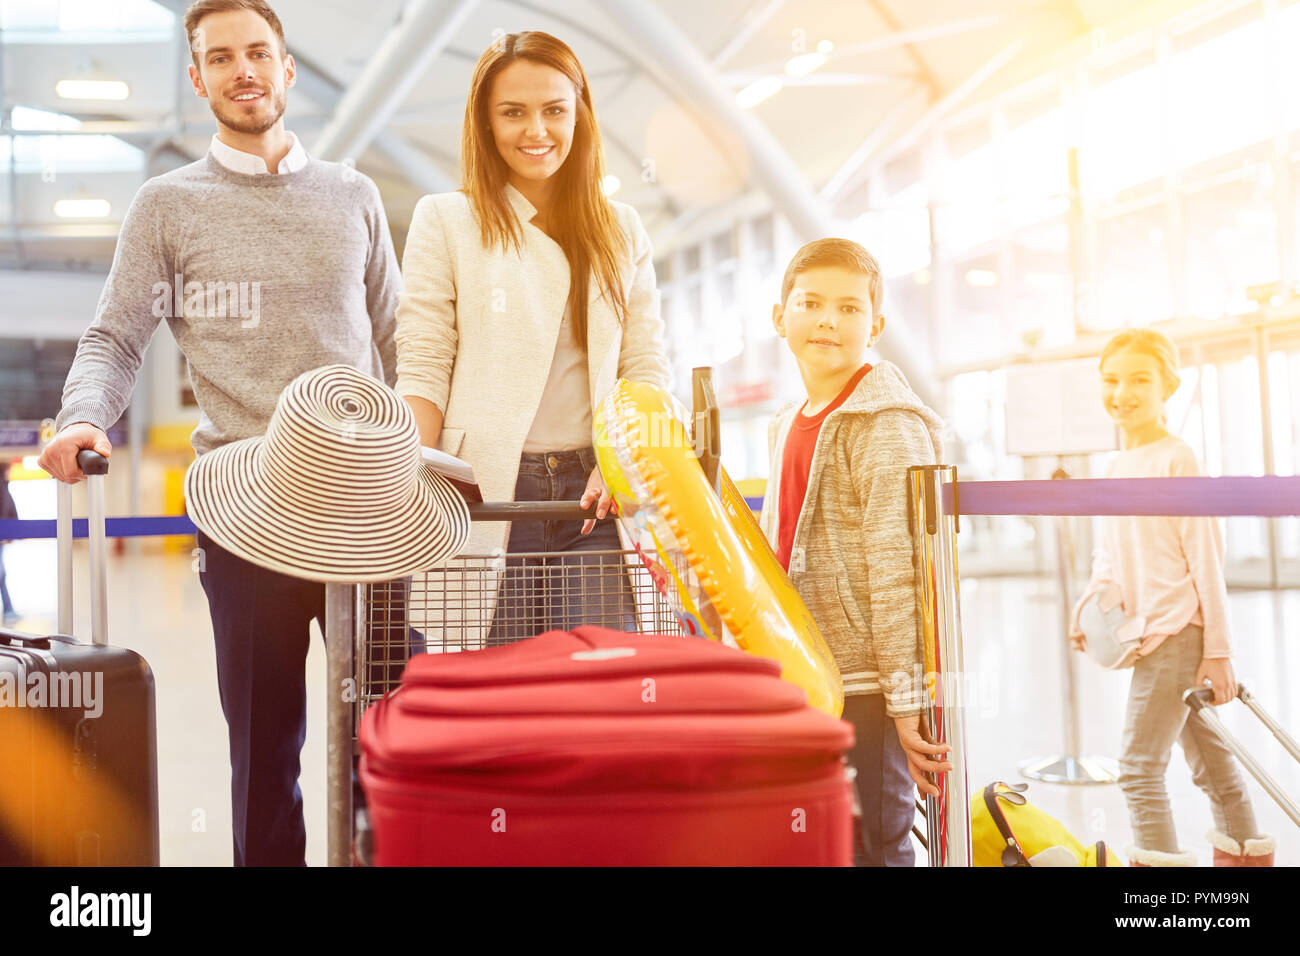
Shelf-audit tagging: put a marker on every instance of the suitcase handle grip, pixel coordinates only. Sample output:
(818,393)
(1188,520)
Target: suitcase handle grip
(92,462)
(39,641)
(1196,698)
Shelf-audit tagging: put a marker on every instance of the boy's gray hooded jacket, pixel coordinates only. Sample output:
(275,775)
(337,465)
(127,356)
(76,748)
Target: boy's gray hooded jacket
(854,560)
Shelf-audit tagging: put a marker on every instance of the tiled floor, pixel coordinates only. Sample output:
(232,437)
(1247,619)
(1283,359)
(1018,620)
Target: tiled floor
(1014,711)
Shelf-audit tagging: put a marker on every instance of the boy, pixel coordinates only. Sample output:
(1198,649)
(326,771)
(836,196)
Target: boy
(836,512)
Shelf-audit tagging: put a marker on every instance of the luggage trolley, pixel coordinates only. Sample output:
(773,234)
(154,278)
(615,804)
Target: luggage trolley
(368,627)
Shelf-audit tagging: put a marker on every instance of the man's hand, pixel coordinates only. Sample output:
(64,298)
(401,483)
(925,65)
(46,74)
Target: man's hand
(60,456)
(919,752)
(1218,672)
(596,492)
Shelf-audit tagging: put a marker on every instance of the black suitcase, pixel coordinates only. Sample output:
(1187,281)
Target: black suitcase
(78,736)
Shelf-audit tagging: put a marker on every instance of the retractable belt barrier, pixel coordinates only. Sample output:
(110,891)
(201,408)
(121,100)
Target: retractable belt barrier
(12,529)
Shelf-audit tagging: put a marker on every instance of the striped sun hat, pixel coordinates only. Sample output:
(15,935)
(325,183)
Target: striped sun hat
(334,491)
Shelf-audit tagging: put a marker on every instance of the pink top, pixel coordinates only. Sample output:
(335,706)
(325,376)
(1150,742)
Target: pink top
(1170,569)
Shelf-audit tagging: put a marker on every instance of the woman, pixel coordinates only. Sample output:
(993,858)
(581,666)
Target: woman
(527,295)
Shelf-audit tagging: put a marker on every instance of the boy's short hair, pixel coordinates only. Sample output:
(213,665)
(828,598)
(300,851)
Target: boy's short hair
(844,253)
(202,8)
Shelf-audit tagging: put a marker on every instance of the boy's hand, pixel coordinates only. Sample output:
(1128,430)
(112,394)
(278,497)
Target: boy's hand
(919,751)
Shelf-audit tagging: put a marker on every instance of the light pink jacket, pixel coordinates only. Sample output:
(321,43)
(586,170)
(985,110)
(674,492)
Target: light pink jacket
(1169,569)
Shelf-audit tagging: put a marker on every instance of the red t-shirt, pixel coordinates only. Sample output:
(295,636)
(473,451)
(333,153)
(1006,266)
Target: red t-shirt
(796,462)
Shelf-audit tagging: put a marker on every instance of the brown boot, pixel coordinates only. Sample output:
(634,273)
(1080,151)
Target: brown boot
(1140,857)
(1228,852)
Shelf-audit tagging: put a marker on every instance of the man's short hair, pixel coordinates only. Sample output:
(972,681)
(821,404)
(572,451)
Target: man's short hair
(844,253)
(202,8)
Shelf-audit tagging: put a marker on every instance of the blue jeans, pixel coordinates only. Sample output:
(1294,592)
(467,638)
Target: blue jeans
(885,788)
(560,591)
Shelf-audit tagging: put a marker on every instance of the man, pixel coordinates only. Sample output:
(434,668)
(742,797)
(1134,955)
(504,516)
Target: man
(266,264)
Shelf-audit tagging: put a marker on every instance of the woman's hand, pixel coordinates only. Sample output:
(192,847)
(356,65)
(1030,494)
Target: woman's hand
(1218,672)
(428,419)
(596,492)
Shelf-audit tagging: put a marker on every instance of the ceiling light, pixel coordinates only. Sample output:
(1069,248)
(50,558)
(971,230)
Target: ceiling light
(82,208)
(981,278)
(805,63)
(609,185)
(758,91)
(92,89)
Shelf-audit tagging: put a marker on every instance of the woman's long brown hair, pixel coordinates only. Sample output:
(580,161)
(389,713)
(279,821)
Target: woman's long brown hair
(581,220)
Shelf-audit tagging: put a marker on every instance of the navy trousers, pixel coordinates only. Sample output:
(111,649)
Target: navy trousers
(885,788)
(260,623)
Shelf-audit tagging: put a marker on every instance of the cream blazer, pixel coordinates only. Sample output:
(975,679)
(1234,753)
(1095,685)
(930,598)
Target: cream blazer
(477,330)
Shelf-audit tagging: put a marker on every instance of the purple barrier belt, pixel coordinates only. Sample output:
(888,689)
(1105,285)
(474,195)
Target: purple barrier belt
(1271,496)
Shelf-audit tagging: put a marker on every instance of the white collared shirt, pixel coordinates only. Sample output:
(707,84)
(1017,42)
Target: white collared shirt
(238,161)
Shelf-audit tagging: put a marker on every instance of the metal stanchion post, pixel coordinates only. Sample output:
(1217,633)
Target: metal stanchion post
(340,625)
(948,815)
(1070,767)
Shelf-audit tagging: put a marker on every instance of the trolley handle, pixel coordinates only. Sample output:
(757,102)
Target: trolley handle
(531,511)
(706,424)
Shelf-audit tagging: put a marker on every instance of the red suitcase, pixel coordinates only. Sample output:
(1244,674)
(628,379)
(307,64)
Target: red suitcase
(602,748)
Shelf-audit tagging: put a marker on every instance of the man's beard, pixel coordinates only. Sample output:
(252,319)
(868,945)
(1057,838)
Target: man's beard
(251,125)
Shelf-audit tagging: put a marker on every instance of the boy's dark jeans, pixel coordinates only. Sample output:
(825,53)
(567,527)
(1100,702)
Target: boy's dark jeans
(885,788)
(561,592)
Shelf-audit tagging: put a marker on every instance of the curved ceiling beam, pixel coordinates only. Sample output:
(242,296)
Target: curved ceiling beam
(424,30)
(927,75)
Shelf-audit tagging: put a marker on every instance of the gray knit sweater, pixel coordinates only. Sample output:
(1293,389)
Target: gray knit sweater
(260,278)
(854,560)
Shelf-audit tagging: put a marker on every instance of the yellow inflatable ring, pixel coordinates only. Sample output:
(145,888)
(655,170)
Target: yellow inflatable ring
(707,555)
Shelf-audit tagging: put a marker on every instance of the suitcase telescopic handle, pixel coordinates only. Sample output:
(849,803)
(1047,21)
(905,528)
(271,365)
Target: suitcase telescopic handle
(92,462)
(95,467)
(1198,698)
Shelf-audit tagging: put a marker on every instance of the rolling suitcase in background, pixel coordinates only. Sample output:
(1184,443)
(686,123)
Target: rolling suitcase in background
(1202,701)
(78,738)
(597,747)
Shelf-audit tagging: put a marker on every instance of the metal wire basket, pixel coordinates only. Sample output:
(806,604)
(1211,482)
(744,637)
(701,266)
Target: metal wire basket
(479,601)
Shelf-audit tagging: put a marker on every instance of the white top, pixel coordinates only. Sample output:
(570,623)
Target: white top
(563,421)
(1169,568)
(238,161)
(477,334)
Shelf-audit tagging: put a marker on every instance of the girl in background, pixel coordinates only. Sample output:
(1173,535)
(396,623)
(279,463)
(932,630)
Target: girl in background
(1170,570)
